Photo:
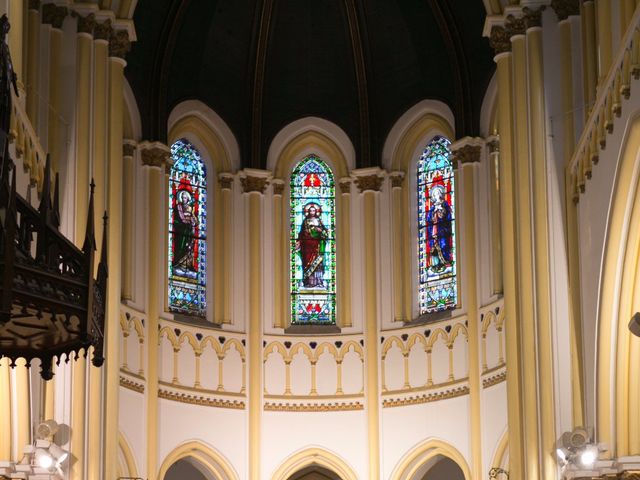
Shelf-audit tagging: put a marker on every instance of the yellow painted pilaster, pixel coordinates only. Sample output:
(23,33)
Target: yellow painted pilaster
(114,255)
(590,55)
(604,36)
(496,243)
(509,252)
(33,54)
(83,132)
(22,407)
(279,263)
(94,419)
(16,18)
(154,159)
(78,416)
(226,185)
(628,7)
(254,183)
(128,221)
(538,138)
(49,397)
(344,254)
(5,409)
(54,121)
(369,181)
(398,247)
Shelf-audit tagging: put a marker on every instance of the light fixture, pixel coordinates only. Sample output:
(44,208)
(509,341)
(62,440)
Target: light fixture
(576,450)
(58,453)
(589,455)
(43,459)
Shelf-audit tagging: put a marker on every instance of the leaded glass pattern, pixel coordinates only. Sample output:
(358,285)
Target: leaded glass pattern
(438,289)
(313,250)
(187,259)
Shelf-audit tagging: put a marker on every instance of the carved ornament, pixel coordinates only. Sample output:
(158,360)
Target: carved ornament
(34,4)
(565,8)
(201,400)
(86,24)
(278,186)
(345,185)
(53,14)
(467,154)
(533,16)
(119,44)
(396,179)
(369,183)
(494,145)
(155,157)
(254,184)
(515,25)
(103,31)
(128,149)
(225,180)
(500,39)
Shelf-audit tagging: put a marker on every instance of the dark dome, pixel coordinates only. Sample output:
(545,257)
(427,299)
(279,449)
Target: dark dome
(261,64)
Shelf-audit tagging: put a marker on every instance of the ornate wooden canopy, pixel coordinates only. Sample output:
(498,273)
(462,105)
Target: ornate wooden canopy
(50,304)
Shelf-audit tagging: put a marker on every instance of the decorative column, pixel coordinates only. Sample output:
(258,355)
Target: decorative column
(500,41)
(344,254)
(16,41)
(493,145)
(118,47)
(156,158)
(467,153)
(84,41)
(128,220)
(565,26)
(399,314)
(5,409)
(589,56)
(33,60)
(369,182)
(254,183)
(78,416)
(224,293)
(54,15)
(604,36)
(279,263)
(22,407)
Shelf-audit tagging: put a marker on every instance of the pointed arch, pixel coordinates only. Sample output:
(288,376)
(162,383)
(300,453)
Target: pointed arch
(411,463)
(314,456)
(126,461)
(205,455)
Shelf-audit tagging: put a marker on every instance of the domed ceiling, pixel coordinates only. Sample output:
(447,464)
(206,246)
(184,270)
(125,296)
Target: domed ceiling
(261,64)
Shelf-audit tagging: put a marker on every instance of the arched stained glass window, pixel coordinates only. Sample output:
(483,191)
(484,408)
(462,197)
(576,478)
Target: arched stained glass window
(313,250)
(187,231)
(438,288)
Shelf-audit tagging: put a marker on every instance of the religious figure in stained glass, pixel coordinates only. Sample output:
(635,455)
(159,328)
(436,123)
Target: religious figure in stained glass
(436,229)
(187,231)
(313,271)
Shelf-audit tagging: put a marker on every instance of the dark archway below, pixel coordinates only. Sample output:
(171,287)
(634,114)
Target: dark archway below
(314,472)
(187,469)
(444,469)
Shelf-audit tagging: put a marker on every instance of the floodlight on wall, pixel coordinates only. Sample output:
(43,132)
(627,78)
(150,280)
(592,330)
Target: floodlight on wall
(41,460)
(575,448)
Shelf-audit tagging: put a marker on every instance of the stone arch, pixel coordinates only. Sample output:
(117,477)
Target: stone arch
(410,465)
(126,460)
(210,459)
(314,456)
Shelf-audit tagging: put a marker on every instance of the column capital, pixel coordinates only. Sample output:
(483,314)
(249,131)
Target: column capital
(34,5)
(155,154)
(128,147)
(533,16)
(493,143)
(53,14)
(278,186)
(119,43)
(396,178)
(500,39)
(103,30)
(565,8)
(345,185)
(86,24)
(254,180)
(467,150)
(368,179)
(225,180)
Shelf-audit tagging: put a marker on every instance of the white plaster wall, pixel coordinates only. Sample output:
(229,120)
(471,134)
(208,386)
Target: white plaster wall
(133,425)
(403,428)
(343,433)
(223,429)
(494,420)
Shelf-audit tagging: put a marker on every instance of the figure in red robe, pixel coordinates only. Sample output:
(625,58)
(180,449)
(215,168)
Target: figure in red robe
(310,245)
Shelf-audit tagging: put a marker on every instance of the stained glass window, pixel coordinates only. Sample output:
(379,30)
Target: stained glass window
(438,288)
(313,250)
(187,231)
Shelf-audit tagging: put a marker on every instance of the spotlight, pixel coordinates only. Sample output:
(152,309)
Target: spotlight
(563,454)
(58,453)
(589,456)
(43,459)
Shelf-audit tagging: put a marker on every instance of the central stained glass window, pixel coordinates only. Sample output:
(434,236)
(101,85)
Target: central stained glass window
(313,246)
(438,288)
(187,231)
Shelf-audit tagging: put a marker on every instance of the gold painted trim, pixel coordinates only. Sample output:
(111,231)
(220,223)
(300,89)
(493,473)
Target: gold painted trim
(202,401)
(426,398)
(314,456)
(131,385)
(313,397)
(301,407)
(201,390)
(494,380)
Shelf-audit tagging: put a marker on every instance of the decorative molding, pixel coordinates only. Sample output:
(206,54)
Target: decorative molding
(345,185)
(85,24)
(493,144)
(131,385)
(500,39)
(199,400)
(371,182)
(278,186)
(253,180)
(494,379)
(533,16)
(119,44)
(53,14)
(155,154)
(565,8)
(225,180)
(467,154)
(103,31)
(515,25)
(128,149)
(318,407)
(426,398)
(396,179)
(34,4)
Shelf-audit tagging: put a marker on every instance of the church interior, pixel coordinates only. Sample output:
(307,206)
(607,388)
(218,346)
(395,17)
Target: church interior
(311,240)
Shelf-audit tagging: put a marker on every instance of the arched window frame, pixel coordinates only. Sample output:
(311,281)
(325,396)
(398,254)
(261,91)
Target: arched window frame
(329,218)
(208,174)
